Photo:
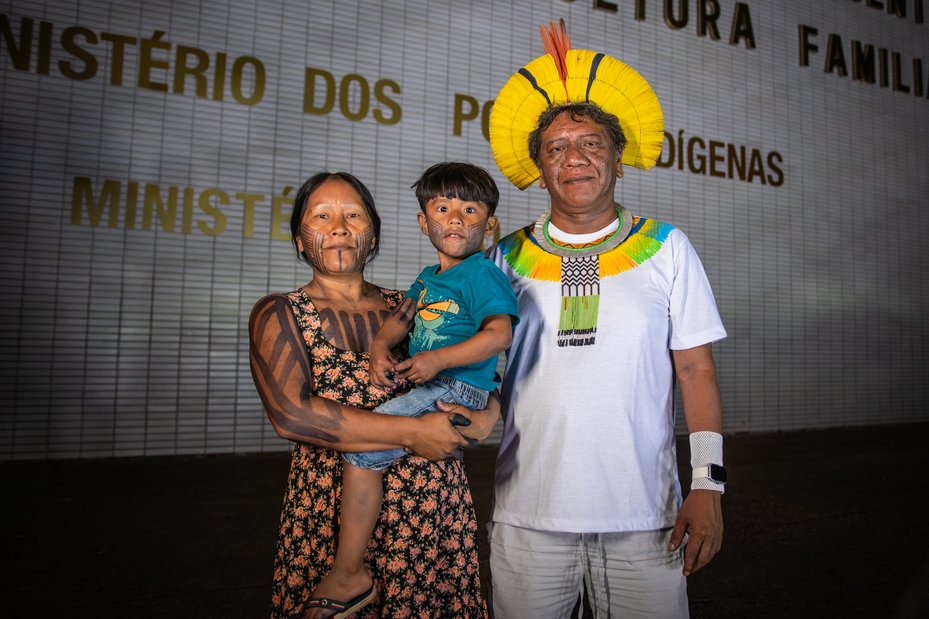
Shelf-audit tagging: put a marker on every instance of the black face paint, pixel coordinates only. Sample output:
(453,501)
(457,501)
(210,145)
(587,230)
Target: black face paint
(351,260)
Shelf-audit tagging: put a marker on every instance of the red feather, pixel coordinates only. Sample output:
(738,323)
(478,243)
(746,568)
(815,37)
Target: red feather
(556,43)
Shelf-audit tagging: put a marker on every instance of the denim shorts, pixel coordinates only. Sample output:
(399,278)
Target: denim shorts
(419,400)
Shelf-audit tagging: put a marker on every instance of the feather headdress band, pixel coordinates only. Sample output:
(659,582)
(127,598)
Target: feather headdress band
(565,75)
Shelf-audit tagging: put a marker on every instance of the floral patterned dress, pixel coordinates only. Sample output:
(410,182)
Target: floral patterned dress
(422,555)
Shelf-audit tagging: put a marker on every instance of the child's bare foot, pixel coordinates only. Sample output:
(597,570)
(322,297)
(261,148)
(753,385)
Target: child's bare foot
(341,594)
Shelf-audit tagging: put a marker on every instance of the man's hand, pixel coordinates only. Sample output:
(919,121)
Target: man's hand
(421,367)
(701,518)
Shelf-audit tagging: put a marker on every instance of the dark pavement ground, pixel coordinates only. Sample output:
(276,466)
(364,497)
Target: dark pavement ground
(820,523)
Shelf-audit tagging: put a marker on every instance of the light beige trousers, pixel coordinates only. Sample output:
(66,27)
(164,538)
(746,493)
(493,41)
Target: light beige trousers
(541,574)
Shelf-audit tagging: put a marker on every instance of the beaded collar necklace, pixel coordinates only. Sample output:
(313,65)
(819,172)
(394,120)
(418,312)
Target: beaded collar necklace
(540,232)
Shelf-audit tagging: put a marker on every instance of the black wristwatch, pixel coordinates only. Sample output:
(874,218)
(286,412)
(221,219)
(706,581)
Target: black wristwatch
(713,472)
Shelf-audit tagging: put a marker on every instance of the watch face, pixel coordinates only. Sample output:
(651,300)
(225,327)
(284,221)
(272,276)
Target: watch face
(717,473)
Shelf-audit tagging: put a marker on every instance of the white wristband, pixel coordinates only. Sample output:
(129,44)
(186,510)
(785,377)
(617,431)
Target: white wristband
(705,448)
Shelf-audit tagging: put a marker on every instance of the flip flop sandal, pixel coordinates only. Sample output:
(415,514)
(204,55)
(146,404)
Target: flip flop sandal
(341,609)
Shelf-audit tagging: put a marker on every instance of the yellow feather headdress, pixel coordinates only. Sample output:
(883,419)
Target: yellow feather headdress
(566,75)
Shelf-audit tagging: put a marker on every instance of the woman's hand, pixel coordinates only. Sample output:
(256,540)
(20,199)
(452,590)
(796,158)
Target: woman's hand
(381,366)
(480,423)
(435,438)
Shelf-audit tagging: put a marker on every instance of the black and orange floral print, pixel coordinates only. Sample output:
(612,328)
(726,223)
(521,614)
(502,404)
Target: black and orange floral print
(423,553)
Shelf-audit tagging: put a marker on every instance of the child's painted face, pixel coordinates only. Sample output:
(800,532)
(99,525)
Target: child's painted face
(456,228)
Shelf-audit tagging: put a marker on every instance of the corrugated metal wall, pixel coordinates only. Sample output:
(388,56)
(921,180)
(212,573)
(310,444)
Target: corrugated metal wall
(149,151)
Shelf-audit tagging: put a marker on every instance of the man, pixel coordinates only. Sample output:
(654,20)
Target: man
(613,308)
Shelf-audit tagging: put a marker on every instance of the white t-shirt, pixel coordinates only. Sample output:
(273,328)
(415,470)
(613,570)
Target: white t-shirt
(588,439)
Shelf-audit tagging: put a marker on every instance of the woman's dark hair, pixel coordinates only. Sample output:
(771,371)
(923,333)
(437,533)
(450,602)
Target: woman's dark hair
(311,185)
(453,179)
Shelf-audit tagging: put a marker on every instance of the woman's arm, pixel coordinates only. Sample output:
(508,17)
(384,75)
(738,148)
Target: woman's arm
(395,328)
(281,371)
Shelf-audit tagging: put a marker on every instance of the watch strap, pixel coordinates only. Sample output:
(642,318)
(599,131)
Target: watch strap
(703,479)
(701,472)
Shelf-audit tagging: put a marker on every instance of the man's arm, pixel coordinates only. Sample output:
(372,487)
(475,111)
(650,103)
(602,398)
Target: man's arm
(701,514)
(282,374)
(494,337)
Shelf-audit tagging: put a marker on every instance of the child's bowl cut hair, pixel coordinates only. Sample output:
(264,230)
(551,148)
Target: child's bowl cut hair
(455,179)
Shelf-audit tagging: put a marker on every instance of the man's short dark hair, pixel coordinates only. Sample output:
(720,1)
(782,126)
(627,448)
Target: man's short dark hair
(577,111)
(454,179)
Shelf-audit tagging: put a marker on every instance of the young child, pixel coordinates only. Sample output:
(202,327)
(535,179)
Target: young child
(459,315)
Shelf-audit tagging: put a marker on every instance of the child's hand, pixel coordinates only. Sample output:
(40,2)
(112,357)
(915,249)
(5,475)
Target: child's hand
(421,367)
(381,367)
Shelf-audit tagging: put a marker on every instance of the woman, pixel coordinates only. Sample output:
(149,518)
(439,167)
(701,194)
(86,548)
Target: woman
(309,360)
